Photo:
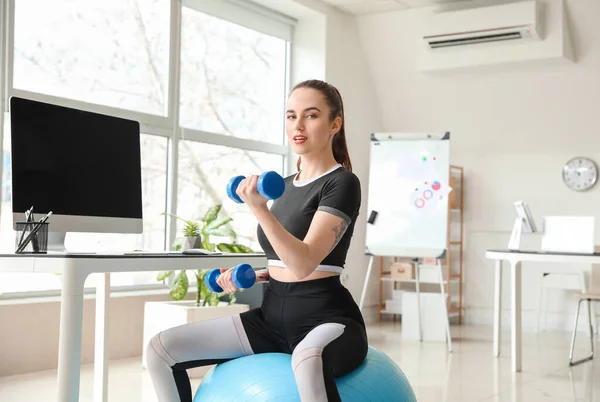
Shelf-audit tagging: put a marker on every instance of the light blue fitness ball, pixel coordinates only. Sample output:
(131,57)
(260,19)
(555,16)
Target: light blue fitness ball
(269,377)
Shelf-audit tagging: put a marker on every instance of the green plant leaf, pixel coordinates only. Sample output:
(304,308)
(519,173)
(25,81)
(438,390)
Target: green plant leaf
(200,275)
(211,214)
(207,245)
(204,292)
(180,286)
(163,275)
(232,298)
(217,223)
(177,244)
(213,299)
(191,229)
(234,248)
(175,216)
(223,231)
(226,248)
(244,249)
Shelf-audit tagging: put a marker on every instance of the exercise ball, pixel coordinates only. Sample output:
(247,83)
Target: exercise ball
(269,377)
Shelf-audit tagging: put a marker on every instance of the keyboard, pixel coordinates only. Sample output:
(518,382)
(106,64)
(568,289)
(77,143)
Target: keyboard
(151,252)
(200,251)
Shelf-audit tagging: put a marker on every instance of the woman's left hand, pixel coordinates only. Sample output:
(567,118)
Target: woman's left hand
(247,190)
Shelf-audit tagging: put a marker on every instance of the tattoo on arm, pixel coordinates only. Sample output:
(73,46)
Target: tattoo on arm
(339,232)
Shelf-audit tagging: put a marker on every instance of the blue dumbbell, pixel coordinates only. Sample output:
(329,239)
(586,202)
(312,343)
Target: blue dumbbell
(243,277)
(270,185)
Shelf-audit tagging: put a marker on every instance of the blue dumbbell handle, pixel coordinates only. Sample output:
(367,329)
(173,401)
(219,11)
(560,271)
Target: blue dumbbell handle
(243,277)
(270,185)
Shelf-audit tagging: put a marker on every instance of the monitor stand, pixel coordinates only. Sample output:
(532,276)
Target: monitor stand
(56,241)
(515,237)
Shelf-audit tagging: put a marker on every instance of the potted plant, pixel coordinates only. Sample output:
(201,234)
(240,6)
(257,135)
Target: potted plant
(159,316)
(192,236)
(212,225)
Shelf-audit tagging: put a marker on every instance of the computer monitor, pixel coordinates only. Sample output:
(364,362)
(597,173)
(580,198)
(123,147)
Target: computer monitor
(84,167)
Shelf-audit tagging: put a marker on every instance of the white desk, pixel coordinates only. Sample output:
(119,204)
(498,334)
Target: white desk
(515,258)
(74,269)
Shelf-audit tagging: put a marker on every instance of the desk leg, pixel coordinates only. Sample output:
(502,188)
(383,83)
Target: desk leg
(516,315)
(498,308)
(418,288)
(366,284)
(69,343)
(101,349)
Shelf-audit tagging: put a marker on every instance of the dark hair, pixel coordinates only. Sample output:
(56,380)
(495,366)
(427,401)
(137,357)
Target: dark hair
(334,101)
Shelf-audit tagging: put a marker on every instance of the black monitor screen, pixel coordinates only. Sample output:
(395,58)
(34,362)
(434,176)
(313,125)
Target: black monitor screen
(73,162)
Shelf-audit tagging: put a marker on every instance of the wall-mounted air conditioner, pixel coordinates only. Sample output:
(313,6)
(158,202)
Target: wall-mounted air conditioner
(510,22)
(525,31)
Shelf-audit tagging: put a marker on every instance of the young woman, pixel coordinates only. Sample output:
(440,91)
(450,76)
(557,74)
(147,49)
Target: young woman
(306,311)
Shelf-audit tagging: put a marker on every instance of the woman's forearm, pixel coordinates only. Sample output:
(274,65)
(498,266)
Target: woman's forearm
(262,275)
(293,252)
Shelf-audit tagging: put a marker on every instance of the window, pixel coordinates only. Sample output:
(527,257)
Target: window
(110,53)
(114,58)
(204,171)
(233,79)
(154,191)
(7,234)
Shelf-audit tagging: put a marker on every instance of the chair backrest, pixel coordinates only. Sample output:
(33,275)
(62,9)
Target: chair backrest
(594,279)
(594,282)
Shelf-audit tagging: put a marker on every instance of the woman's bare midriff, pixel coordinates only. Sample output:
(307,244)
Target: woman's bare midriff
(285,275)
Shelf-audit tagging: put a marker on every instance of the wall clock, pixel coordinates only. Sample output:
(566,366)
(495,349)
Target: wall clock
(580,173)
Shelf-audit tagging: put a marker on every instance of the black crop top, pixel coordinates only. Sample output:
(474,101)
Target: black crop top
(336,191)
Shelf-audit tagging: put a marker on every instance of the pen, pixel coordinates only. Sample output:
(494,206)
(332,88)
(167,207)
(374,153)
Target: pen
(34,241)
(33,232)
(27,220)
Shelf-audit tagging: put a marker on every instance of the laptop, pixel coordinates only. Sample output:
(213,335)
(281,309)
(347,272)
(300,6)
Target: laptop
(569,234)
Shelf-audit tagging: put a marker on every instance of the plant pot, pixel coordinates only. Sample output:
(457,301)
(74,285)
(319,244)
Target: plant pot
(191,242)
(159,316)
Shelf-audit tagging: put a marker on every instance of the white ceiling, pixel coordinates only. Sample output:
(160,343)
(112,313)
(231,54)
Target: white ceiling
(378,6)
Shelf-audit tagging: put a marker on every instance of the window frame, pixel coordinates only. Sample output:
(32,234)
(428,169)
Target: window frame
(240,12)
(247,14)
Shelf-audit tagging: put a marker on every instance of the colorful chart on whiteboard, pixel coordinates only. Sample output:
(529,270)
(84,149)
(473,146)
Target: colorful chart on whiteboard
(424,170)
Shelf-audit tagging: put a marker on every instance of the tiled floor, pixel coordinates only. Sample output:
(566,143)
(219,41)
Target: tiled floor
(469,374)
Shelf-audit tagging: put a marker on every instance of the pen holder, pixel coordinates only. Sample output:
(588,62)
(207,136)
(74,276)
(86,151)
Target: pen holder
(37,243)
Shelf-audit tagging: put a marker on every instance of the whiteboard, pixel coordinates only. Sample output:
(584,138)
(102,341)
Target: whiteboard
(407,213)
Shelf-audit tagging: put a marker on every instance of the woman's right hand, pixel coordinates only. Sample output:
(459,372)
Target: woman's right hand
(225,281)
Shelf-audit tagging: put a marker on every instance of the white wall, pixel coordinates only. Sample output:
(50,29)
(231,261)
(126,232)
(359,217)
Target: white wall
(30,342)
(513,128)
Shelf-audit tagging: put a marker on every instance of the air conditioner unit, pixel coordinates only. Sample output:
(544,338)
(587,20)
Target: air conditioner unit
(501,23)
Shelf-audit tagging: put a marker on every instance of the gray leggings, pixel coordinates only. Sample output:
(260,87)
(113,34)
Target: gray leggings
(320,329)
(221,339)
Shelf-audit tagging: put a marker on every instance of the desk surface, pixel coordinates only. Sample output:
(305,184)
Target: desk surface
(89,263)
(542,256)
(545,253)
(128,255)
